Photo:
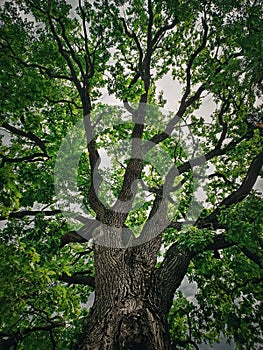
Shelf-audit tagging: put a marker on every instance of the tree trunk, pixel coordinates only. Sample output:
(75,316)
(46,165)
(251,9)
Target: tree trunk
(127,313)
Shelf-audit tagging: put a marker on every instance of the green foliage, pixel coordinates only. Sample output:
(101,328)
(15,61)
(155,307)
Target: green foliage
(30,291)
(245,224)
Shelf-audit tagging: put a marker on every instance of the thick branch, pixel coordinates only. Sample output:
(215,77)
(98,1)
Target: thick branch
(219,242)
(71,237)
(252,256)
(238,195)
(83,235)
(23,213)
(78,278)
(171,273)
(149,29)
(176,261)
(187,166)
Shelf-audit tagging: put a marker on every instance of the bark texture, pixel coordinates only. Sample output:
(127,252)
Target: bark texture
(128,312)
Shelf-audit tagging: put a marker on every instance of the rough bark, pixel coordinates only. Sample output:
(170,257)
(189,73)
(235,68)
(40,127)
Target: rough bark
(128,312)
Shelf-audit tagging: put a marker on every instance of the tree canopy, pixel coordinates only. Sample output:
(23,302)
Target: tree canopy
(181,197)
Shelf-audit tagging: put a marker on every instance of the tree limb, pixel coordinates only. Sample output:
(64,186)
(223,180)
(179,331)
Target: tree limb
(78,278)
(72,52)
(10,340)
(23,213)
(162,30)
(191,61)
(252,256)
(29,135)
(84,234)
(36,157)
(63,101)
(71,237)
(132,35)
(238,195)
(171,273)
(65,55)
(42,69)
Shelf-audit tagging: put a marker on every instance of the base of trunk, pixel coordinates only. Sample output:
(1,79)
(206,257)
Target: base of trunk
(133,326)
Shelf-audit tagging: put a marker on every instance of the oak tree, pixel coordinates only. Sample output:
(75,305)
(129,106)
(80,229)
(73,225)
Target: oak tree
(180,200)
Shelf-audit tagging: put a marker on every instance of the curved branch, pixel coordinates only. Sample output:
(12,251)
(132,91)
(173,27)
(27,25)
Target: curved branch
(191,61)
(220,242)
(187,166)
(63,101)
(29,135)
(72,52)
(162,30)
(10,340)
(238,195)
(83,235)
(71,237)
(217,174)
